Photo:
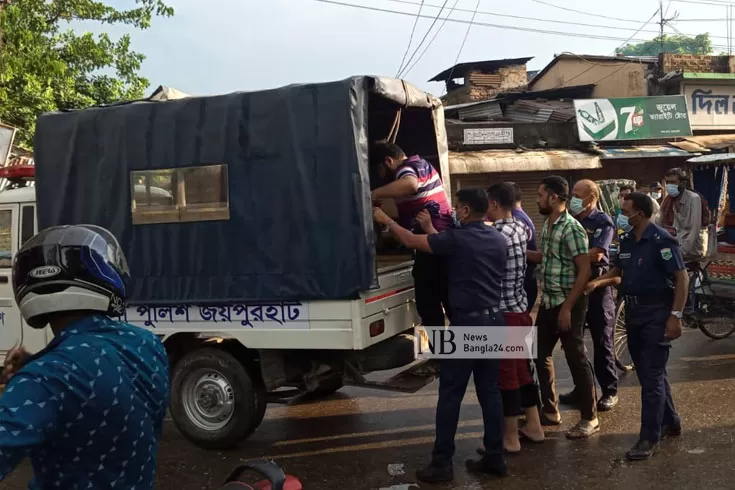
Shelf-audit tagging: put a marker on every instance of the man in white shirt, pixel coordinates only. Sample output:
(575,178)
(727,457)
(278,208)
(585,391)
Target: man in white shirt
(654,192)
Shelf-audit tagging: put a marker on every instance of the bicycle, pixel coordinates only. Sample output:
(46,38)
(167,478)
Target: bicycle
(711,306)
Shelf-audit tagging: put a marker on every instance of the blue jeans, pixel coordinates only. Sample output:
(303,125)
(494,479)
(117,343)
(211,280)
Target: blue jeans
(454,374)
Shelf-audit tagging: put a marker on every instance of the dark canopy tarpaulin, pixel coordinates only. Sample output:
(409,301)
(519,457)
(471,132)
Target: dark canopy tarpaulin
(299,225)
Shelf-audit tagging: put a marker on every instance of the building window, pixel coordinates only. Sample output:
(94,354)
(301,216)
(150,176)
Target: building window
(180,195)
(6,238)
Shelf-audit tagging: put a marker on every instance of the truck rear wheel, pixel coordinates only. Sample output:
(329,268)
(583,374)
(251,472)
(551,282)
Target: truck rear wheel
(216,402)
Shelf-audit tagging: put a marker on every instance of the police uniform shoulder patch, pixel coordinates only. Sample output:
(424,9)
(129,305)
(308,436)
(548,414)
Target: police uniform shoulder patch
(598,232)
(666,254)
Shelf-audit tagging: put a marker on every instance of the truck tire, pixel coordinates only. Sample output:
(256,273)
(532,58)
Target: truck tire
(216,401)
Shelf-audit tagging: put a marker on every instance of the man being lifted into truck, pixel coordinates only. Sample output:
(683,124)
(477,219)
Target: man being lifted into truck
(89,408)
(417,186)
(477,255)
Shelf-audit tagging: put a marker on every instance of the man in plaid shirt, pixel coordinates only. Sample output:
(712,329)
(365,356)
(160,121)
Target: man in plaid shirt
(565,270)
(517,386)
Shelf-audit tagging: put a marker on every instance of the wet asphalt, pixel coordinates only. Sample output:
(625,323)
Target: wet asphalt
(349,440)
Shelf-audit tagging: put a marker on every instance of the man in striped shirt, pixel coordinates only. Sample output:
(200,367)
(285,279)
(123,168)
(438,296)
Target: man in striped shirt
(417,186)
(519,391)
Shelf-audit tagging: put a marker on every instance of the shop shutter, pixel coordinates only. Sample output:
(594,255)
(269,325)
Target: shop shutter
(527,181)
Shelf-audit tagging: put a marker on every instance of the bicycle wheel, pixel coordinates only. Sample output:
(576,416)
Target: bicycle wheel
(620,339)
(715,312)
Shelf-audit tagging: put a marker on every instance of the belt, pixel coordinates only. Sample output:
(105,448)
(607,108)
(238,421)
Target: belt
(648,299)
(474,313)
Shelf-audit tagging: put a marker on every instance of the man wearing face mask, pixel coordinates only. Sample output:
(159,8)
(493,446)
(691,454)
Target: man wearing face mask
(601,310)
(477,255)
(657,194)
(684,215)
(416,187)
(565,272)
(655,285)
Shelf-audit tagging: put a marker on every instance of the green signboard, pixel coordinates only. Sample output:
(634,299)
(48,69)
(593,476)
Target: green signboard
(635,118)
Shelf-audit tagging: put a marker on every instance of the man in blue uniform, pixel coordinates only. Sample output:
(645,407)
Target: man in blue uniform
(655,284)
(88,409)
(477,255)
(601,310)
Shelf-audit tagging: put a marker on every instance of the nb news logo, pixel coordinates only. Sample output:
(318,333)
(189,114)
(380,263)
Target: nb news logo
(497,342)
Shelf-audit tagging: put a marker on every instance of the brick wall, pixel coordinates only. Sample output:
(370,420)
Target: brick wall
(512,77)
(696,63)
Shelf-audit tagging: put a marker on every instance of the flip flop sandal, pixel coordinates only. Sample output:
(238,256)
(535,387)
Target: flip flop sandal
(577,432)
(525,437)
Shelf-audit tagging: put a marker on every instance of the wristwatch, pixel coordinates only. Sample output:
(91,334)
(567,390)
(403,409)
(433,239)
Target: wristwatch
(677,314)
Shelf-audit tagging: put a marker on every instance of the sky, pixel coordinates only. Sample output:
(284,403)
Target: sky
(222,46)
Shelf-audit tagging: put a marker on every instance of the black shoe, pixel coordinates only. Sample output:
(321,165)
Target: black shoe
(642,450)
(607,403)
(484,466)
(668,431)
(568,398)
(435,474)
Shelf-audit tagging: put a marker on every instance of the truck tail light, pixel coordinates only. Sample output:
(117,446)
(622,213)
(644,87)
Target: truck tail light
(377,328)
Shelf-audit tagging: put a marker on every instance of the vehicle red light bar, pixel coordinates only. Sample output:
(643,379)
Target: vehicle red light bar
(18,172)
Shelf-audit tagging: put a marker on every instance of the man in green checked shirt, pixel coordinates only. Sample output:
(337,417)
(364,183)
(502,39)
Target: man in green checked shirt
(564,271)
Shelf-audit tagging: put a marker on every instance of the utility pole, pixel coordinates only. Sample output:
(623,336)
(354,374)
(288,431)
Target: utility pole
(661,23)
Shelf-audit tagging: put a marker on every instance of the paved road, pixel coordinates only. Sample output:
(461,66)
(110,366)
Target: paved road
(348,440)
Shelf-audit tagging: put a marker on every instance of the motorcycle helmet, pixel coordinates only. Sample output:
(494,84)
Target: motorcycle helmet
(70,268)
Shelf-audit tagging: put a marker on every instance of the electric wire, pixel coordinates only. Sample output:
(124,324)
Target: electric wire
(410,39)
(428,31)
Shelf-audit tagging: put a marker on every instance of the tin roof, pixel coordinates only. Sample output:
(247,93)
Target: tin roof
(460,70)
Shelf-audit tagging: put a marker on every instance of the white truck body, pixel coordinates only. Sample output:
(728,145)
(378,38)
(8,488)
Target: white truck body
(323,325)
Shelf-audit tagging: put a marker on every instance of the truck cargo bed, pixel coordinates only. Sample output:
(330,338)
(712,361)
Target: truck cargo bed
(387,263)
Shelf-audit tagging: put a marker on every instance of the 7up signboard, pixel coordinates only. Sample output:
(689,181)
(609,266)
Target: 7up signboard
(633,118)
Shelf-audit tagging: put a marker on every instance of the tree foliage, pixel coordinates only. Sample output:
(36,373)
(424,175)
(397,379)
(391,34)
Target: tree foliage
(701,44)
(47,65)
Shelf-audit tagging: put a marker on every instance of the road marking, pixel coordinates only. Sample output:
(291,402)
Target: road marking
(719,357)
(415,441)
(465,423)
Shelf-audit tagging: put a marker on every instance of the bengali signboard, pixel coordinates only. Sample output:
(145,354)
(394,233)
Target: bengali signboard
(634,118)
(710,106)
(488,136)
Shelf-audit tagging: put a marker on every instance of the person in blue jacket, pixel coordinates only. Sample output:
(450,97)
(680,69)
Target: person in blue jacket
(655,285)
(88,409)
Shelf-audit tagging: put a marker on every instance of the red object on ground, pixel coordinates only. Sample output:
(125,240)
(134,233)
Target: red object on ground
(292,483)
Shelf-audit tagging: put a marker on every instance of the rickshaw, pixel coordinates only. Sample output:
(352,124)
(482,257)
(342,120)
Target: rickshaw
(712,280)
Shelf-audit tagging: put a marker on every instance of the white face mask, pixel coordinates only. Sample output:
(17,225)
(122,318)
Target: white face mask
(656,195)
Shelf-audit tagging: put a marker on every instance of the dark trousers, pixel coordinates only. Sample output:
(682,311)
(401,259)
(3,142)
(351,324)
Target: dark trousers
(530,285)
(601,322)
(431,288)
(572,341)
(454,374)
(649,349)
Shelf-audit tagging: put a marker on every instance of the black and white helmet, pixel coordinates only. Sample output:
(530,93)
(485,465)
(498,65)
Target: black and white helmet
(70,268)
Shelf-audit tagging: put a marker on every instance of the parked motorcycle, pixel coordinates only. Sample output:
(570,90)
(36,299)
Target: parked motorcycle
(276,478)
